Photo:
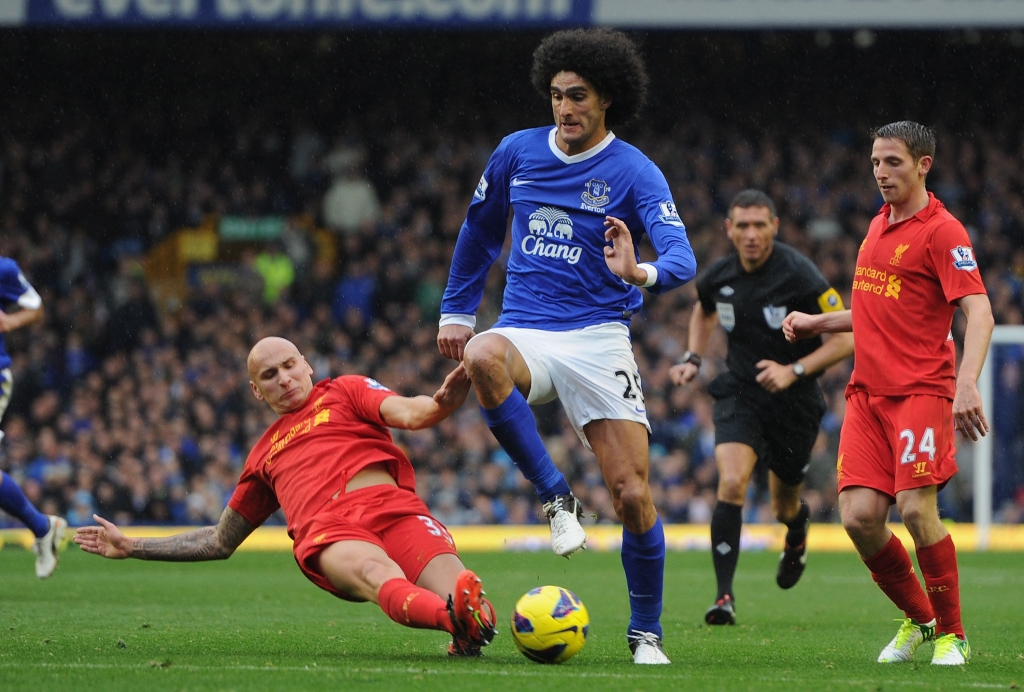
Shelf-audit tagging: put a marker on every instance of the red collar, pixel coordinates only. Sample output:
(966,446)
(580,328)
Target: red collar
(933,206)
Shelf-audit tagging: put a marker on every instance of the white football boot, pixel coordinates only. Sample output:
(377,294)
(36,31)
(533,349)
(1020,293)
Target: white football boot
(951,651)
(910,636)
(564,513)
(46,547)
(646,648)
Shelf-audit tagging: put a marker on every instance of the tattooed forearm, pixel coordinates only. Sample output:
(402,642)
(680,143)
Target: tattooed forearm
(193,546)
(208,543)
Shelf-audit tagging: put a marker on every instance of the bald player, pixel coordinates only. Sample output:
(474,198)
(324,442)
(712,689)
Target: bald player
(348,494)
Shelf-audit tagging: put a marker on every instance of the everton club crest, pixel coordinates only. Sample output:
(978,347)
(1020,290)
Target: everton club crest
(596,194)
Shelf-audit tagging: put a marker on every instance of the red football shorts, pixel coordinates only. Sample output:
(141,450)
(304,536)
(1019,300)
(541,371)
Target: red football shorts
(894,443)
(395,519)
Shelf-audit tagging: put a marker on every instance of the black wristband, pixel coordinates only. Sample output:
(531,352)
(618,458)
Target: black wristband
(690,357)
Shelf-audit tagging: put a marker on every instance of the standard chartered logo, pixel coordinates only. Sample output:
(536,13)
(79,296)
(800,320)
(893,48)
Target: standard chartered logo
(547,226)
(878,282)
(893,289)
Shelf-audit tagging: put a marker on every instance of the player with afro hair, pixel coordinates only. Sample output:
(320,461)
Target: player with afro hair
(606,58)
(581,201)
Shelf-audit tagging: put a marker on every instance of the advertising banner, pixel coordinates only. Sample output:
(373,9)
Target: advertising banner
(810,14)
(284,14)
(461,14)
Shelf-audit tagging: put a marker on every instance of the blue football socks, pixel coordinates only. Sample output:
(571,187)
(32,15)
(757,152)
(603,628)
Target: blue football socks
(14,502)
(514,427)
(643,559)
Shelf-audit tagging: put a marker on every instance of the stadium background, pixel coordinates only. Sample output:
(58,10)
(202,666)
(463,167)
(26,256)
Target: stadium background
(179,185)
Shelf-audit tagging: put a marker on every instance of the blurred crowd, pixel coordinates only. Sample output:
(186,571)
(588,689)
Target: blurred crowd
(140,410)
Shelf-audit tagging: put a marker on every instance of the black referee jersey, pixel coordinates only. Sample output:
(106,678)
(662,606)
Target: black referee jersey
(752,305)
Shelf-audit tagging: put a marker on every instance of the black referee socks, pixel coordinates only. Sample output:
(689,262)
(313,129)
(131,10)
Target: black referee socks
(726,522)
(798,527)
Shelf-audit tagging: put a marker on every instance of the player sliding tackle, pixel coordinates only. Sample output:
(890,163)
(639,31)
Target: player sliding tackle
(915,267)
(581,200)
(348,495)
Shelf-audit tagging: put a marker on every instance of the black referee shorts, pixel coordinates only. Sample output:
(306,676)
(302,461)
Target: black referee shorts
(781,428)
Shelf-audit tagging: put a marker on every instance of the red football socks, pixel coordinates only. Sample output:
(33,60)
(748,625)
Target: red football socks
(409,605)
(942,579)
(893,571)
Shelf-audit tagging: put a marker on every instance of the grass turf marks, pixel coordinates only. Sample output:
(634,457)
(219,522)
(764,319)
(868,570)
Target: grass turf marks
(254,623)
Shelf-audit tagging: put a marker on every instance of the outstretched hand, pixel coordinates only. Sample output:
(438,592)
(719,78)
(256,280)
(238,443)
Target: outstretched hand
(452,394)
(105,539)
(620,255)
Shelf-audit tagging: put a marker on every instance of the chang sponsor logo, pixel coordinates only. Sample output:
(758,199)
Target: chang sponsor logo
(547,226)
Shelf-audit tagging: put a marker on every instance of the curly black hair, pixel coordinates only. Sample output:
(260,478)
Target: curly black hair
(606,58)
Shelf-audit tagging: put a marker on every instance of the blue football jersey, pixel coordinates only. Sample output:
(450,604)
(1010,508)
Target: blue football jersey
(557,278)
(14,288)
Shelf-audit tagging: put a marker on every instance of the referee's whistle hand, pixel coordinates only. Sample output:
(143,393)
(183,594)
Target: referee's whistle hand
(774,376)
(682,374)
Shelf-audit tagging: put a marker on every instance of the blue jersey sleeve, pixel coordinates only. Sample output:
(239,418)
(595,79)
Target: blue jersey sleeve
(14,287)
(481,237)
(675,264)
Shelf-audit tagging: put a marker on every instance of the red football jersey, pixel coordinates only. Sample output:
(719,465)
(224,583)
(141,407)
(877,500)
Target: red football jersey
(909,276)
(306,458)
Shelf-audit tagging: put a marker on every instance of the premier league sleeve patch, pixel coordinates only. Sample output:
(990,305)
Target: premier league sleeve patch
(374,384)
(481,189)
(669,214)
(963,258)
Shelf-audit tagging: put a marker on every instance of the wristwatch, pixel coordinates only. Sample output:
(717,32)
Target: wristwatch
(799,370)
(690,357)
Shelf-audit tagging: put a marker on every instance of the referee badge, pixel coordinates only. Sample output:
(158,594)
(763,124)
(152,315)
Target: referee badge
(774,315)
(726,315)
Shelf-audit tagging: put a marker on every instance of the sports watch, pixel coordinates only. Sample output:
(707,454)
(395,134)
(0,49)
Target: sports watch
(799,370)
(690,357)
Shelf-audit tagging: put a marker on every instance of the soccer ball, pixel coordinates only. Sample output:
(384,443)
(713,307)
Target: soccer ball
(549,624)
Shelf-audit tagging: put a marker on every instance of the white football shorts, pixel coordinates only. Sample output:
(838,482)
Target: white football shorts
(591,371)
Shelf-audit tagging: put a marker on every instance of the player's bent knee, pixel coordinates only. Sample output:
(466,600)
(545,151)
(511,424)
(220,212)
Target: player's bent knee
(356,570)
(484,352)
(632,496)
(862,525)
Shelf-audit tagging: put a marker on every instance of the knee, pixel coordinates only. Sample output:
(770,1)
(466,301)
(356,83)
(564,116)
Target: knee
(373,572)
(631,494)
(861,524)
(482,356)
(732,487)
(918,517)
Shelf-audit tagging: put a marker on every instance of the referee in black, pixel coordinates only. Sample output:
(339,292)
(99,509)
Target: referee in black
(767,404)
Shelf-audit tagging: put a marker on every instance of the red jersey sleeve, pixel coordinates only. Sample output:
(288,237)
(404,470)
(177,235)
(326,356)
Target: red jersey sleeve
(953,261)
(253,498)
(365,395)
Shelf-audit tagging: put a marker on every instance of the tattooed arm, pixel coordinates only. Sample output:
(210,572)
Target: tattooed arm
(208,543)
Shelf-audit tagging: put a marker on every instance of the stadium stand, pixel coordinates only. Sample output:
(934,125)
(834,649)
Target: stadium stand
(133,402)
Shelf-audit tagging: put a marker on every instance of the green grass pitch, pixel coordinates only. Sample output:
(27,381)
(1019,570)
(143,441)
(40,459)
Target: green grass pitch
(254,623)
